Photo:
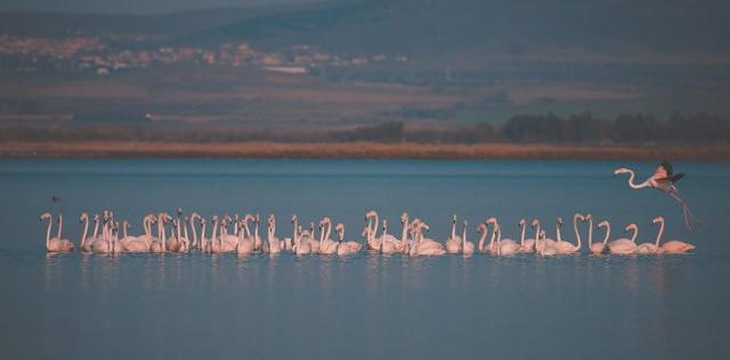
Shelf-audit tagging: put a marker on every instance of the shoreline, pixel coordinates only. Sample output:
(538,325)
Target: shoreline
(358,150)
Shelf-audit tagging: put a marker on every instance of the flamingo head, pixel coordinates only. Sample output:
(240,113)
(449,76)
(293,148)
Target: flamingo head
(465,223)
(578,217)
(340,227)
(588,217)
(45,216)
(293,218)
(631,227)
(482,228)
(603,223)
(491,221)
(370,214)
(403,218)
(83,216)
(658,219)
(535,223)
(453,218)
(620,171)
(560,220)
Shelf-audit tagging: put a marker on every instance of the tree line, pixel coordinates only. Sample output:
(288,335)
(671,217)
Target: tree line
(582,128)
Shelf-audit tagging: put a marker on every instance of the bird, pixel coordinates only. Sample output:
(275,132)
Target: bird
(467,247)
(453,243)
(625,246)
(663,179)
(55,244)
(599,247)
(672,246)
(565,247)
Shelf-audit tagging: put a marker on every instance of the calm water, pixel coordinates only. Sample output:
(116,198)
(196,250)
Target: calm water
(195,306)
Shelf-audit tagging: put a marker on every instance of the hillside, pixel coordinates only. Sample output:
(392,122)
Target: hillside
(434,27)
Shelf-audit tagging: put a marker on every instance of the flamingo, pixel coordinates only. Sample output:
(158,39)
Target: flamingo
(672,246)
(371,217)
(55,244)
(387,247)
(453,243)
(482,228)
(174,242)
(196,244)
(565,247)
(501,246)
(326,245)
(417,249)
(467,247)
(600,247)
(301,242)
(663,179)
(526,245)
(132,243)
(228,242)
(245,245)
(625,246)
(649,247)
(272,245)
(159,245)
(345,247)
(87,241)
(147,237)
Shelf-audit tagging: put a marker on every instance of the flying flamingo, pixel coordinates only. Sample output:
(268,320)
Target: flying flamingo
(625,246)
(663,179)
(55,244)
(672,246)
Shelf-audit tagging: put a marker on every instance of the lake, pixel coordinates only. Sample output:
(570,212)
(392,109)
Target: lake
(200,306)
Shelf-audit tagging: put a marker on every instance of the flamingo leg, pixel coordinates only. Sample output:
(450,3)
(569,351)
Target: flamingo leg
(689,218)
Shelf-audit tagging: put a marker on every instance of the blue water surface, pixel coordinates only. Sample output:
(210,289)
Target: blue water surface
(198,306)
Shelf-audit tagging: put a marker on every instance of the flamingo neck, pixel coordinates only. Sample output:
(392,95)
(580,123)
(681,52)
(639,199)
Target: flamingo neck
(463,241)
(634,185)
(558,232)
(660,233)
(636,233)
(590,232)
(48,232)
(96,227)
(522,234)
(86,230)
(453,229)
(202,237)
(195,233)
(404,234)
(60,225)
(608,233)
(482,239)
(577,233)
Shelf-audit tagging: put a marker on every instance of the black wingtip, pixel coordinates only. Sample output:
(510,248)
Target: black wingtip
(676,177)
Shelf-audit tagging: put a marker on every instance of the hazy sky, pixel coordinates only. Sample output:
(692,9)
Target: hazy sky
(131,6)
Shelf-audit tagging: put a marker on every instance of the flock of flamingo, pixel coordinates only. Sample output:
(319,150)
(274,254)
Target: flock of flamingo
(234,234)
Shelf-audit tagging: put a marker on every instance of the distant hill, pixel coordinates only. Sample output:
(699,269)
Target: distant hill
(427,27)
(173,25)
